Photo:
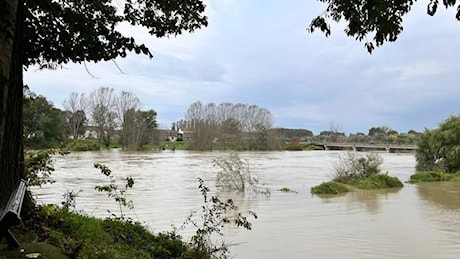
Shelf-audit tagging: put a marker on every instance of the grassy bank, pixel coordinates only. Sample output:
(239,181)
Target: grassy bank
(433,176)
(53,232)
(58,233)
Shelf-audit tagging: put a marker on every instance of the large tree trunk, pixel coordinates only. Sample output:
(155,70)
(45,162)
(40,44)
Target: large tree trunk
(11,96)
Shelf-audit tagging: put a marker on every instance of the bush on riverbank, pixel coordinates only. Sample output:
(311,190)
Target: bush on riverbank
(432,176)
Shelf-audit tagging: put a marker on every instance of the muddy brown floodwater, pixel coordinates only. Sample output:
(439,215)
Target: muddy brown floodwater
(416,221)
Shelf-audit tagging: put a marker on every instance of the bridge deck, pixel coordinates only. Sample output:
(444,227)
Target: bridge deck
(367,146)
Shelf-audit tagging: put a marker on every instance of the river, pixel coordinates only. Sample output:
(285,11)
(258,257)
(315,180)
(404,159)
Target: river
(416,221)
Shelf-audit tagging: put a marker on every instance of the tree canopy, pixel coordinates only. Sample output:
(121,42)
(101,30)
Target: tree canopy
(62,31)
(439,149)
(379,20)
(43,123)
(52,33)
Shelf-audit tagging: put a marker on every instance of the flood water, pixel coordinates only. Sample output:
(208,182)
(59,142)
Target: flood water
(416,221)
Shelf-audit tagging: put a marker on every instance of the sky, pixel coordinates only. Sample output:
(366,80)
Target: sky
(258,52)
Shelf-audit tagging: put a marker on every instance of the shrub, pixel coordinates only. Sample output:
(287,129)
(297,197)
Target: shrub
(331,187)
(236,176)
(84,145)
(286,189)
(379,181)
(39,166)
(431,176)
(353,167)
(215,215)
(114,192)
(294,144)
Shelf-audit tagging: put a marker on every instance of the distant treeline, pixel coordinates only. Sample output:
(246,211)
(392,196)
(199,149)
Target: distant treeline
(105,117)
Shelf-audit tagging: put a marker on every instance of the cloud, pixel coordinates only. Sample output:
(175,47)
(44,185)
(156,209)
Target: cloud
(258,52)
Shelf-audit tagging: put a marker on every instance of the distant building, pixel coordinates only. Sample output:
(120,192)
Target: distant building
(90,132)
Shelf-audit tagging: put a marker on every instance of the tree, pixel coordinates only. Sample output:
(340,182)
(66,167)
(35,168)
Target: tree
(227,123)
(138,128)
(43,123)
(439,149)
(11,95)
(75,114)
(334,130)
(75,123)
(127,101)
(380,21)
(103,113)
(150,124)
(59,32)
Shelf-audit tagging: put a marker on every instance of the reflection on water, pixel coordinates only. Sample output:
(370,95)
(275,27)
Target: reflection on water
(416,221)
(444,195)
(371,200)
(441,202)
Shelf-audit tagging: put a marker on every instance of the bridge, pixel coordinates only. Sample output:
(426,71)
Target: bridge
(367,147)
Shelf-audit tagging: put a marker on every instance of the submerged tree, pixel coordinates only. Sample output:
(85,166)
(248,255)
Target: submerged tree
(59,32)
(235,175)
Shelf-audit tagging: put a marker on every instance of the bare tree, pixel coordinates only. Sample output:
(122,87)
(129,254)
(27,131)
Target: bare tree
(76,107)
(127,101)
(334,131)
(229,123)
(200,126)
(103,111)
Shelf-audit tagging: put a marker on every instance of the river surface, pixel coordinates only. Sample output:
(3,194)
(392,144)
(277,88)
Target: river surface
(416,221)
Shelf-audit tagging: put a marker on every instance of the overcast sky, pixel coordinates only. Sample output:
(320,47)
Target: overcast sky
(258,52)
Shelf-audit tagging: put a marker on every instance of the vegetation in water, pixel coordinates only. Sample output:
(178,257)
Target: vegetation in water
(235,175)
(330,187)
(353,167)
(287,190)
(379,181)
(362,172)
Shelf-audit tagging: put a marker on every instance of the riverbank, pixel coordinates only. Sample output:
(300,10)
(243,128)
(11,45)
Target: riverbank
(52,232)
